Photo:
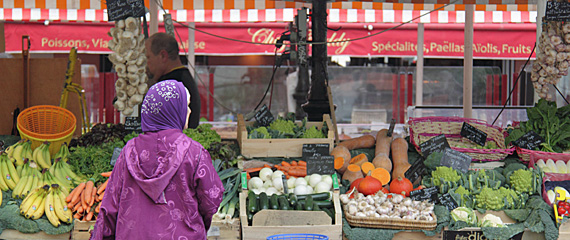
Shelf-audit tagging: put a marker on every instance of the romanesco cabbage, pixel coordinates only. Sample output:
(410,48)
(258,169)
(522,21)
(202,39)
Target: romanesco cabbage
(284,126)
(313,132)
(521,180)
(496,199)
(447,173)
(260,132)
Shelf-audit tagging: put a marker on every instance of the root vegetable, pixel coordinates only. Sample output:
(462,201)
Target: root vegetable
(341,158)
(352,173)
(359,159)
(382,161)
(400,157)
(366,141)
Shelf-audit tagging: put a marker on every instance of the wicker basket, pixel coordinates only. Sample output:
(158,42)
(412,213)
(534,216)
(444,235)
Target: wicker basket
(391,223)
(525,154)
(422,129)
(47,123)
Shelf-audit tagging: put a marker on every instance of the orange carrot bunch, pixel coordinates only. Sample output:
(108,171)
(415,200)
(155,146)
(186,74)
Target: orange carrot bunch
(85,200)
(293,168)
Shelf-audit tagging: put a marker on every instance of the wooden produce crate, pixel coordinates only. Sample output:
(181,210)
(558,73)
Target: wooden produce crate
(564,231)
(15,234)
(221,230)
(280,147)
(81,230)
(272,222)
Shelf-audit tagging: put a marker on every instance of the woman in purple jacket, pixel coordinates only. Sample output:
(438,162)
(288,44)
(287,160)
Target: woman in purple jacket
(163,185)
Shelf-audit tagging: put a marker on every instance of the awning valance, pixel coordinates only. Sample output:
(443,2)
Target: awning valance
(276,15)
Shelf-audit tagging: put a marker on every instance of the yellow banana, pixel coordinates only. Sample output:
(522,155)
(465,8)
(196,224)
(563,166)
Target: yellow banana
(50,210)
(3,184)
(28,186)
(43,156)
(17,154)
(19,186)
(58,207)
(29,201)
(10,150)
(13,172)
(66,210)
(69,173)
(27,151)
(39,212)
(6,177)
(35,205)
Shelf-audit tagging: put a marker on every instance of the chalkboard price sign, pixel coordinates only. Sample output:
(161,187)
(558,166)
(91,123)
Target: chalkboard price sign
(471,234)
(122,9)
(557,11)
(456,160)
(473,134)
(416,170)
(315,150)
(320,165)
(264,116)
(133,124)
(429,194)
(529,140)
(447,201)
(435,144)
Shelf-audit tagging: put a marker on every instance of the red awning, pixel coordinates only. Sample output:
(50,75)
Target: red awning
(498,41)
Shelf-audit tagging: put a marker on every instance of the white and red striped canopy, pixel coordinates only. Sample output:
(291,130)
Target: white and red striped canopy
(276,15)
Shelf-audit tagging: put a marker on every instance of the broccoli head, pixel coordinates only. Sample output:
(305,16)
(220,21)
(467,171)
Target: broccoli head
(283,126)
(313,132)
(447,173)
(521,180)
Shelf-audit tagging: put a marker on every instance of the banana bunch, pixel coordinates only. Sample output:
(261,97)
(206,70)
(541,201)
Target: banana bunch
(33,205)
(9,177)
(56,208)
(49,179)
(21,151)
(30,179)
(62,171)
(42,156)
(63,153)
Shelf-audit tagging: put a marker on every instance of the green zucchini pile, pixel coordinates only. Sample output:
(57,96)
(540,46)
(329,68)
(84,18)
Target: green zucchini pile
(308,202)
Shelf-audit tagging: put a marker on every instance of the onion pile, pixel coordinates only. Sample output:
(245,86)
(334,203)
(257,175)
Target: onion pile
(129,61)
(553,57)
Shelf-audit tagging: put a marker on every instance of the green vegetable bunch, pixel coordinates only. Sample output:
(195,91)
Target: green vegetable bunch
(259,133)
(92,160)
(283,126)
(497,199)
(313,132)
(442,174)
(548,121)
(286,128)
(203,134)
(521,180)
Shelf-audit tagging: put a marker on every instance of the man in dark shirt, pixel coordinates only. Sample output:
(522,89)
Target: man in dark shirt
(163,63)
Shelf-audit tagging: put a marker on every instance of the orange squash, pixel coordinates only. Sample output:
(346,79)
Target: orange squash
(382,175)
(365,141)
(402,186)
(341,158)
(359,159)
(352,173)
(400,157)
(382,161)
(383,143)
(367,167)
(369,185)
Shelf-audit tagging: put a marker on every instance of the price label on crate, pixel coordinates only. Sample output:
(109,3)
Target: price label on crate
(529,140)
(244,180)
(314,150)
(557,11)
(471,234)
(264,116)
(447,201)
(133,124)
(456,160)
(335,181)
(429,194)
(122,9)
(435,144)
(472,133)
(320,165)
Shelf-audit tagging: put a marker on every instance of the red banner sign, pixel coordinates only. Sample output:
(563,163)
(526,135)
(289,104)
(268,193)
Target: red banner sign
(503,41)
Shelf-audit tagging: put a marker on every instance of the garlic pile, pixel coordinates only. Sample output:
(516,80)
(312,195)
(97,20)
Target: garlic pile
(552,58)
(381,206)
(129,61)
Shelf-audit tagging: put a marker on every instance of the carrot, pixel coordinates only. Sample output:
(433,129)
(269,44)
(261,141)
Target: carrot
(98,208)
(365,141)
(302,163)
(83,203)
(106,174)
(70,205)
(77,216)
(285,164)
(298,172)
(70,196)
(77,207)
(89,216)
(80,209)
(100,198)
(77,192)
(294,163)
(248,176)
(102,187)
(250,170)
(93,196)
(87,191)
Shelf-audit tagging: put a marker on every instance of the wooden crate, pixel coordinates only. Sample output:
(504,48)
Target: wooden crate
(220,230)
(81,230)
(284,147)
(564,231)
(9,234)
(286,221)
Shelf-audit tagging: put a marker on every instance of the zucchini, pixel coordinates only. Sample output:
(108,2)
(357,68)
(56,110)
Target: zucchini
(316,196)
(309,203)
(316,207)
(283,203)
(321,204)
(292,199)
(252,204)
(299,206)
(263,201)
(326,210)
(273,203)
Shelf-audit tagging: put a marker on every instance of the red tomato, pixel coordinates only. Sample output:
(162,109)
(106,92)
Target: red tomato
(564,204)
(562,211)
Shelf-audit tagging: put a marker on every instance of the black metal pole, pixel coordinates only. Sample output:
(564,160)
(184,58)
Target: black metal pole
(318,103)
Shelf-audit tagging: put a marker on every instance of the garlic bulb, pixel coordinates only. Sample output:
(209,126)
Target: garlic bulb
(128,111)
(119,105)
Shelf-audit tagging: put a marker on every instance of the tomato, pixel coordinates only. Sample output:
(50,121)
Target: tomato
(562,211)
(564,204)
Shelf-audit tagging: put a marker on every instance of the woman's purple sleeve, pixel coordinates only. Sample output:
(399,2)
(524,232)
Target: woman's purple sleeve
(106,223)
(209,188)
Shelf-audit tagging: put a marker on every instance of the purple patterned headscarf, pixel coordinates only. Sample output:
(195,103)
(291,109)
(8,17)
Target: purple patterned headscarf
(165,107)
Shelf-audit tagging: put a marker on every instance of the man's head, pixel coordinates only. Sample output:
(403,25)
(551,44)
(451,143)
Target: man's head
(161,51)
